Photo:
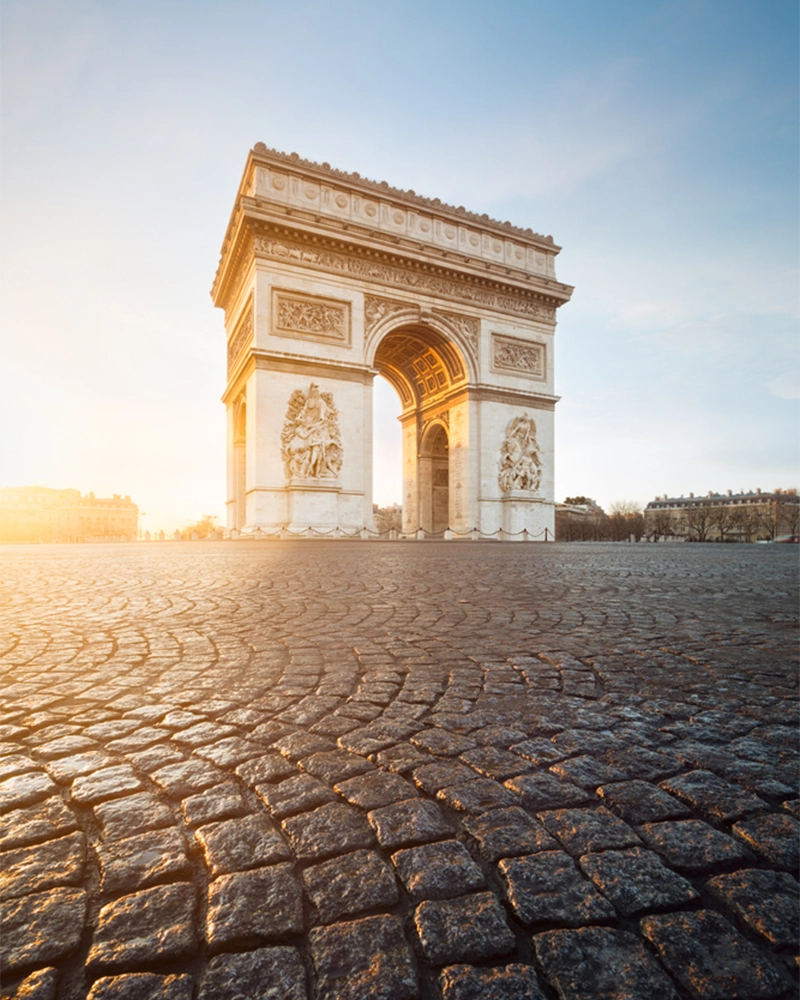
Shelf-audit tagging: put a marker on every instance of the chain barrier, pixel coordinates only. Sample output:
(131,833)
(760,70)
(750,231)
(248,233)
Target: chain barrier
(391,535)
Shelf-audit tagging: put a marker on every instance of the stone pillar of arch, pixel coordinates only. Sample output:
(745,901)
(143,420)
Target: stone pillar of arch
(327,280)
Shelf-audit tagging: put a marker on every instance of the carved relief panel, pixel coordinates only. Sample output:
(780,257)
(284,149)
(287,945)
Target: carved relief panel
(311,442)
(520,460)
(242,336)
(518,357)
(310,317)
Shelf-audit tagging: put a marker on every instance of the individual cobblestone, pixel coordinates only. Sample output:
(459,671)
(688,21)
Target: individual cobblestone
(265,972)
(40,928)
(31,869)
(151,692)
(471,927)
(599,963)
(709,959)
(145,927)
(348,885)
(547,888)
(636,881)
(142,986)
(363,958)
(438,871)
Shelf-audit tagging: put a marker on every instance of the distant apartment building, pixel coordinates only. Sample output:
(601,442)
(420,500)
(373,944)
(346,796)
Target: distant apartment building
(724,517)
(41,514)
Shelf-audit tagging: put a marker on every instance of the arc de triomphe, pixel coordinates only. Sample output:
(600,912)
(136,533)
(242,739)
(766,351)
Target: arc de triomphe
(328,279)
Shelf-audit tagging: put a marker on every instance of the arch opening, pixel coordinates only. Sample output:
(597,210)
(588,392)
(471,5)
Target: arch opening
(434,480)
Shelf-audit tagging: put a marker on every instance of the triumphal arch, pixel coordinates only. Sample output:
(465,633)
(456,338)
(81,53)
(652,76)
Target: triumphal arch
(327,280)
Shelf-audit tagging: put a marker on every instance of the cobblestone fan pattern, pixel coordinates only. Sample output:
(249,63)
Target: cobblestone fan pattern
(440,771)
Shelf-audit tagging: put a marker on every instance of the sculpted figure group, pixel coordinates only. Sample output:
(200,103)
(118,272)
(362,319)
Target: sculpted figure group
(311,443)
(520,461)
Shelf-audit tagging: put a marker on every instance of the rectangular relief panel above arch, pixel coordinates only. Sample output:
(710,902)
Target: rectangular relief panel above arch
(301,316)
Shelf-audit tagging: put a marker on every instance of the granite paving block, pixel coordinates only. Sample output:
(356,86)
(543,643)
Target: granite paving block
(14,764)
(203,734)
(370,791)
(766,902)
(142,860)
(636,881)
(235,845)
(132,814)
(155,757)
(640,802)
(475,796)
(300,744)
(545,791)
(712,796)
(25,789)
(265,769)
(495,763)
(431,778)
(647,765)
(327,831)
(32,869)
(107,783)
(539,750)
(335,765)
(39,985)
(584,830)
(145,927)
(63,747)
(263,974)
(442,743)
(413,821)
(601,963)
(41,927)
(295,795)
(46,820)
(548,888)
(693,847)
(401,758)
(350,884)
(217,802)
(142,986)
(510,982)
(775,837)
(470,928)
(66,769)
(366,958)
(181,779)
(710,959)
(588,772)
(251,908)
(438,871)
(505,833)
(229,752)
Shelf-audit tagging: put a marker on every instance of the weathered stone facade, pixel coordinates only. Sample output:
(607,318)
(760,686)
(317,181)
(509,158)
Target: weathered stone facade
(327,280)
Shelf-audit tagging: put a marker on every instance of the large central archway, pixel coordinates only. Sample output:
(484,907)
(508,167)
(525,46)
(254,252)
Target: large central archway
(328,279)
(430,374)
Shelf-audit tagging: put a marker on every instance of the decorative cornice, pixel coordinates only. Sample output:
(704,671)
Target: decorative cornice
(393,270)
(261,152)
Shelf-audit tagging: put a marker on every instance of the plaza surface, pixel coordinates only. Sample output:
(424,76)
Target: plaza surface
(399,770)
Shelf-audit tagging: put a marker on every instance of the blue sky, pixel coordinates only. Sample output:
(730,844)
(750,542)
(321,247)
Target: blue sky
(657,143)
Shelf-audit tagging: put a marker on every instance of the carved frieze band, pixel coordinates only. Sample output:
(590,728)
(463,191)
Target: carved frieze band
(518,357)
(242,336)
(391,274)
(310,317)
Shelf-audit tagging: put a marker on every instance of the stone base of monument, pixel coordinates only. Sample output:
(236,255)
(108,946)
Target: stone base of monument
(313,502)
(526,516)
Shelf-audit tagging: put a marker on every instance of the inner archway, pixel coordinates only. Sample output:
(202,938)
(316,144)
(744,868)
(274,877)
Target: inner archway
(429,373)
(434,480)
(240,465)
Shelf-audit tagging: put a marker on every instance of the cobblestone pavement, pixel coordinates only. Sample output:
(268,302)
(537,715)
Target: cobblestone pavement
(349,770)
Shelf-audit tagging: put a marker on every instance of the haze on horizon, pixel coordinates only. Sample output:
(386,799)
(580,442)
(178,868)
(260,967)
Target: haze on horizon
(656,141)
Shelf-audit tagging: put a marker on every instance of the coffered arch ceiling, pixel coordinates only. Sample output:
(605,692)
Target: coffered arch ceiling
(421,364)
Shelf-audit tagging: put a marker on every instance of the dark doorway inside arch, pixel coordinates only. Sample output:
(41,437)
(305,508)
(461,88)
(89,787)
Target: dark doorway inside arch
(434,480)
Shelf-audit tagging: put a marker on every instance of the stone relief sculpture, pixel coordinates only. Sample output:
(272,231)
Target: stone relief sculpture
(520,462)
(307,317)
(311,443)
(518,356)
